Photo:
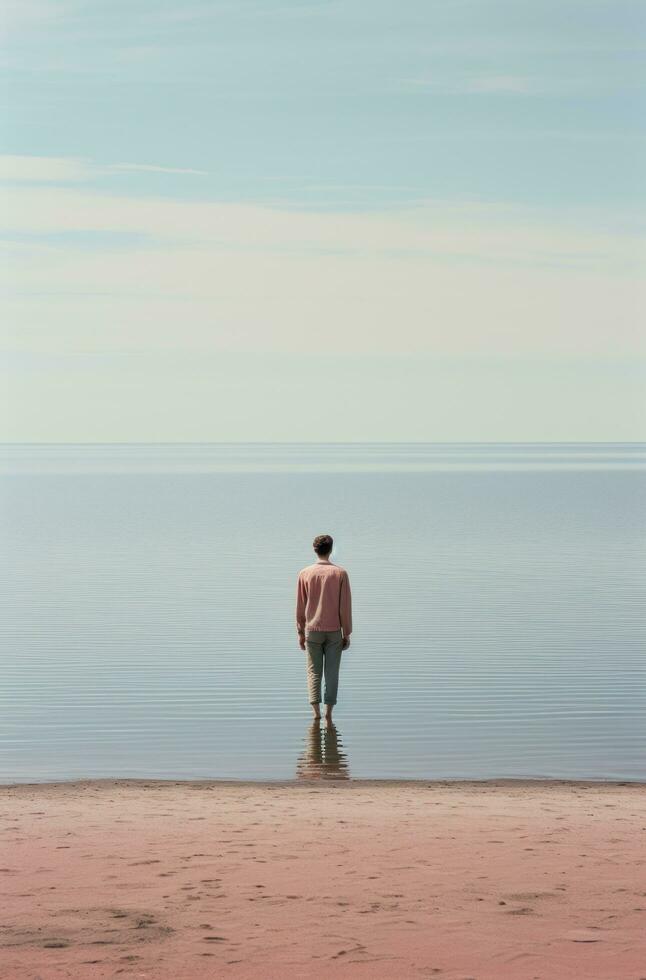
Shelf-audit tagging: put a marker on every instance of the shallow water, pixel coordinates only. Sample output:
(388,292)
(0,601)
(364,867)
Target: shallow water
(148,611)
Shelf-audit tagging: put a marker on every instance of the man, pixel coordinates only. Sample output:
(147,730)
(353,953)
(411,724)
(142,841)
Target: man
(323,622)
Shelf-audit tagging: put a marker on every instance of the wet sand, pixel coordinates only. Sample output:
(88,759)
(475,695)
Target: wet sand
(341,879)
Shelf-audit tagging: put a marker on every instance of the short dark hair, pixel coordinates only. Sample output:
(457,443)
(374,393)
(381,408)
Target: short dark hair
(323,544)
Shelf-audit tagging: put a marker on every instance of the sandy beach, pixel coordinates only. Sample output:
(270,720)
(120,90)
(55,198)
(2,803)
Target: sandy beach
(347,879)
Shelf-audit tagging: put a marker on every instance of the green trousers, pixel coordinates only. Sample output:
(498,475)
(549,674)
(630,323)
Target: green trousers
(323,660)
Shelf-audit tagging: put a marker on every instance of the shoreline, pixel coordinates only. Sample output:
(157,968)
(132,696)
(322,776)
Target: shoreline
(145,781)
(346,879)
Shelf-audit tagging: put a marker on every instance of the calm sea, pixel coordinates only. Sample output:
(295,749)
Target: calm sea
(148,610)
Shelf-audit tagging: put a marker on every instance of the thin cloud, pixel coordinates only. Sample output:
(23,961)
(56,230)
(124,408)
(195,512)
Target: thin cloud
(469,229)
(19,14)
(478,85)
(463,278)
(505,84)
(154,168)
(523,85)
(44,170)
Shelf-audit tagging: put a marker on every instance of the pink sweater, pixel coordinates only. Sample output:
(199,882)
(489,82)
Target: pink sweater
(323,598)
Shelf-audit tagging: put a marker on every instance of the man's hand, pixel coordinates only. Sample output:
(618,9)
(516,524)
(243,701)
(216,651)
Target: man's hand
(346,642)
(301,641)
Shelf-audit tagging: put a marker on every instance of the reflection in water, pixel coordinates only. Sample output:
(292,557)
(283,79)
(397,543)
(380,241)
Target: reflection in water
(322,757)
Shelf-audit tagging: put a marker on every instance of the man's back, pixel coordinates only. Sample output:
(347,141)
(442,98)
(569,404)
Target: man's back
(323,599)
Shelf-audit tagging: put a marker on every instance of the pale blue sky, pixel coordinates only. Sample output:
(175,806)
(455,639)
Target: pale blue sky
(457,185)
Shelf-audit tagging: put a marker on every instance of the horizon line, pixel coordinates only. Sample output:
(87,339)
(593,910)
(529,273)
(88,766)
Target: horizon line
(358,442)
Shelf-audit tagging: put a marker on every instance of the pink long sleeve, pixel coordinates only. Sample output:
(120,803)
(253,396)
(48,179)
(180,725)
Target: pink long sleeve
(345,605)
(301,601)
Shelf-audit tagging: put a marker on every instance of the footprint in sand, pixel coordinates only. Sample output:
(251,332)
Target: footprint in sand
(88,927)
(528,896)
